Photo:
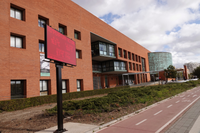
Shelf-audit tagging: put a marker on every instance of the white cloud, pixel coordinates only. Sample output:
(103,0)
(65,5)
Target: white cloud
(147,23)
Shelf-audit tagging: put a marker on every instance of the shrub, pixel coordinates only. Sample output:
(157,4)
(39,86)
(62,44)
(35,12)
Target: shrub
(125,97)
(17,104)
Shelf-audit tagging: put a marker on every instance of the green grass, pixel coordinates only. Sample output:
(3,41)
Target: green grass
(123,98)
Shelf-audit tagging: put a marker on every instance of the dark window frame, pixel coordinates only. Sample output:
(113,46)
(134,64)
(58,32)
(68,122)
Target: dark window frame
(133,57)
(66,85)
(139,59)
(79,54)
(41,43)
(23,85)
(41,18)
(47,83)
(81,84)
(136,58)
(120,52)
(19,9)
(143,65)
(130,67)
(77,34)
(125,54)
(64,29)
(23,39)
(129,55)
(134,66)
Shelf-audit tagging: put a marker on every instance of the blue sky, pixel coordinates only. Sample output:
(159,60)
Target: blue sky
(158,25)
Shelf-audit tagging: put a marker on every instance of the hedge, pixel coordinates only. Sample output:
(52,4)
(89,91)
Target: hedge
(17,104)
(123,98)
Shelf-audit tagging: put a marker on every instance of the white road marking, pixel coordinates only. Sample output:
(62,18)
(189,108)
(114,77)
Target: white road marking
(159,130)
(177,101)
(141,122)
(186,101)
(169,106)
(158,112)
(194,95)
(182,96)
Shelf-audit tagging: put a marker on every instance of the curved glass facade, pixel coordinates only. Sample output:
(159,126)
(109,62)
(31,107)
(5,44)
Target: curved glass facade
(159,60)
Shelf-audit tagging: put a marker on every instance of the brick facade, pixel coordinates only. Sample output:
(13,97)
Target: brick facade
(24,63)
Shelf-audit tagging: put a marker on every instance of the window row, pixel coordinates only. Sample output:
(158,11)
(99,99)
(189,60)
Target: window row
(129,55)
(109,66)
(103,49)
(18,41)
(18,87)
(19,13)
(134,67)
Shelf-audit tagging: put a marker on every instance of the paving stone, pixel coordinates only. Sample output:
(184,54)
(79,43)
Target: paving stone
(186,122)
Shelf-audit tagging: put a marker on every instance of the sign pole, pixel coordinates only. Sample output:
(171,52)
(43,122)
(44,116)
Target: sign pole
(59,98)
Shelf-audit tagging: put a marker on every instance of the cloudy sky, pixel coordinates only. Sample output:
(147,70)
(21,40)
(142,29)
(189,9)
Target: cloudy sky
(158,25)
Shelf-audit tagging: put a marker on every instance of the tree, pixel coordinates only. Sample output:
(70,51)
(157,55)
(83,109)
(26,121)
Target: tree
(170,72)
(196,72)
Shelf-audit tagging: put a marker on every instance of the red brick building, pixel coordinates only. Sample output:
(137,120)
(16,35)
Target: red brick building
(103,53)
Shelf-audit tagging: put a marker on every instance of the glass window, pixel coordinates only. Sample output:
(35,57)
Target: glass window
(124,53)
(143,64)
(119,52)
(41,47)
(78,85)
(136,58)
(43,87)
(17,89)
(102,48)
(77,54)
(61,30)
(104,66)
(116,65)
(41,22)
(15,13)
(133,66)
(129,66)
(133,57)
(12,12)
(12,41)
(77,35)
(129,55)
(18,15)
(16,42)
(111,50)
(64,88)
(123,66)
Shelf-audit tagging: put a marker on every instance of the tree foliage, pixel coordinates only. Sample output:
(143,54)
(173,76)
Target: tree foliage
(170,72)
(196,72)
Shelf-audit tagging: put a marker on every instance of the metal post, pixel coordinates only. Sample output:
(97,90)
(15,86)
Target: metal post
(122,79)
(59,98)
(128,79)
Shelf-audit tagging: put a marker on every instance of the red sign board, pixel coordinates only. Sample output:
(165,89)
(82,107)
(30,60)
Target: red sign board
(59,47)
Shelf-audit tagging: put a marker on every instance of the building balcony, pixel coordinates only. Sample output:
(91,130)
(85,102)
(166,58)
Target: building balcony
(102,51)
(109,67)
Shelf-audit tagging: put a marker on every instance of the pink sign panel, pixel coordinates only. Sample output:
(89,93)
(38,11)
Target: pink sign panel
(59,47)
